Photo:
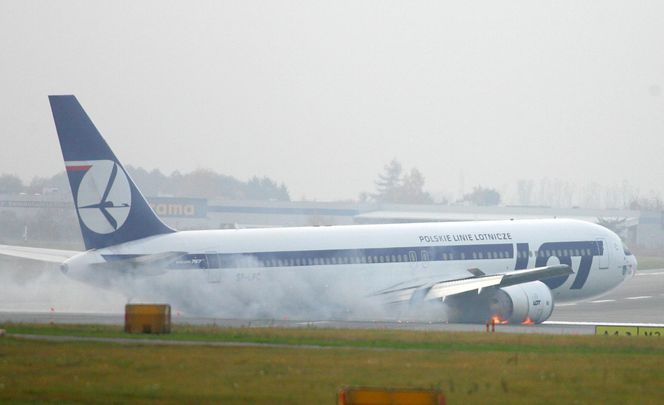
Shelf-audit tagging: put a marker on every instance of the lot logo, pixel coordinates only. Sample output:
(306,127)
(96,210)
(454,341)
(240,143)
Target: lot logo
(103,200)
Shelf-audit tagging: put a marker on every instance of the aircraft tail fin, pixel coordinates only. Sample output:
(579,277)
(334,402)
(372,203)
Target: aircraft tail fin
(110,208)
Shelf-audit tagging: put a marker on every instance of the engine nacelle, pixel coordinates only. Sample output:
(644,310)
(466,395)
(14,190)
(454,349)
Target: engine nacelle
(522,303)
(527,302)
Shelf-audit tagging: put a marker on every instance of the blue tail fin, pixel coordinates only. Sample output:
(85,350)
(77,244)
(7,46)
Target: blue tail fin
(110,208)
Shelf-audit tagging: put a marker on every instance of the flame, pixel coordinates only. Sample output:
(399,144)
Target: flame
(528,321)
(496,319)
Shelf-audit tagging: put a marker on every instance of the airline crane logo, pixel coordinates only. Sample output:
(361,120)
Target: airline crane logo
(103,200)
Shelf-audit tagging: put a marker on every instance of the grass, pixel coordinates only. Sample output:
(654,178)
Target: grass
(497,368)
(360,338)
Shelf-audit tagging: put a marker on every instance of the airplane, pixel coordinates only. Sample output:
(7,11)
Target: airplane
(514,270)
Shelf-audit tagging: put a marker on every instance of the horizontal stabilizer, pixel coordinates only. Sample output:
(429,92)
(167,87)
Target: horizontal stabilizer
(39,254)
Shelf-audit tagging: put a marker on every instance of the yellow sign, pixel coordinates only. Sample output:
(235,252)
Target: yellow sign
(651,331)
(617,330)
(657,331)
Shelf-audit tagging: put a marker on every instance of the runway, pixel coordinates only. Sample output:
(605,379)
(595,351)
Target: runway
(639,300)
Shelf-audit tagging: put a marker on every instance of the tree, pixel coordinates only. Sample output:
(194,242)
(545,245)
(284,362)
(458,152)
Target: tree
(482,196)
(266,189)
(58,183)
(388,182)
(412,189)
(394,187)
(10,184)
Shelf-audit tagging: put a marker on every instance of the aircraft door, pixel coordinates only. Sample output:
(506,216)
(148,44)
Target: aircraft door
(603,248)
(425,259)
(412,258)
(213,267)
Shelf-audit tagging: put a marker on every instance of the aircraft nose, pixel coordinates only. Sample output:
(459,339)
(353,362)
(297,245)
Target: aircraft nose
(629,269)
(633,263)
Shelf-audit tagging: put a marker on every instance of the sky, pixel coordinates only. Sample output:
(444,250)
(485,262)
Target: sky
(321,95)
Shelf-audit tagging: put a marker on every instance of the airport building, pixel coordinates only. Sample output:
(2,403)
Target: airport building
(638,228)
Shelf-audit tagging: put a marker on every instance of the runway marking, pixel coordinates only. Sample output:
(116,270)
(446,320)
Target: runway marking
(641,297)
(659,273)
(600,301)
(313,323)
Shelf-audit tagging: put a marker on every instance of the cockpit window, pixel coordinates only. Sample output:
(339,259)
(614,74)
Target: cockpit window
(626,250)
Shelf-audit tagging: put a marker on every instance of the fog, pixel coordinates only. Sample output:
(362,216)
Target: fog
(321,95)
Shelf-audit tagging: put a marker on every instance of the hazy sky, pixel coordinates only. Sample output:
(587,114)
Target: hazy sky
(322,94)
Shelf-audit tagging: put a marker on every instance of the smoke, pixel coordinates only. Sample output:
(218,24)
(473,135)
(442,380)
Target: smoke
(29,286)
(307,293)
(261,293)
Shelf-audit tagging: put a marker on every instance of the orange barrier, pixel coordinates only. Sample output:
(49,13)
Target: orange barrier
(389,396)
(147,318)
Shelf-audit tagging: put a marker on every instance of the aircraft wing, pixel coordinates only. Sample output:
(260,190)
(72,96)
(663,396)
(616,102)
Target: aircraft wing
(39,254)
(479,280)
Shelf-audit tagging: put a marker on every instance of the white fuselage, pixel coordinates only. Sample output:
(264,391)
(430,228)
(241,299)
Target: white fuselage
(369,258)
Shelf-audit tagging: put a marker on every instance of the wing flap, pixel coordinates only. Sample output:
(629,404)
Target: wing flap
(536,274)
(447,288)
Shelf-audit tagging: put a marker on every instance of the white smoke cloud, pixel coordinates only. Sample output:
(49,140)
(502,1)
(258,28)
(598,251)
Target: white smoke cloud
(28,286)
(256,293)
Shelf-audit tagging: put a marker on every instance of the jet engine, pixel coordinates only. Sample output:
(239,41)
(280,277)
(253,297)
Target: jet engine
(522,303)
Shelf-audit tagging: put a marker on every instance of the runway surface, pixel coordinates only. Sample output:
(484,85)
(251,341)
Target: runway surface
(637,301)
